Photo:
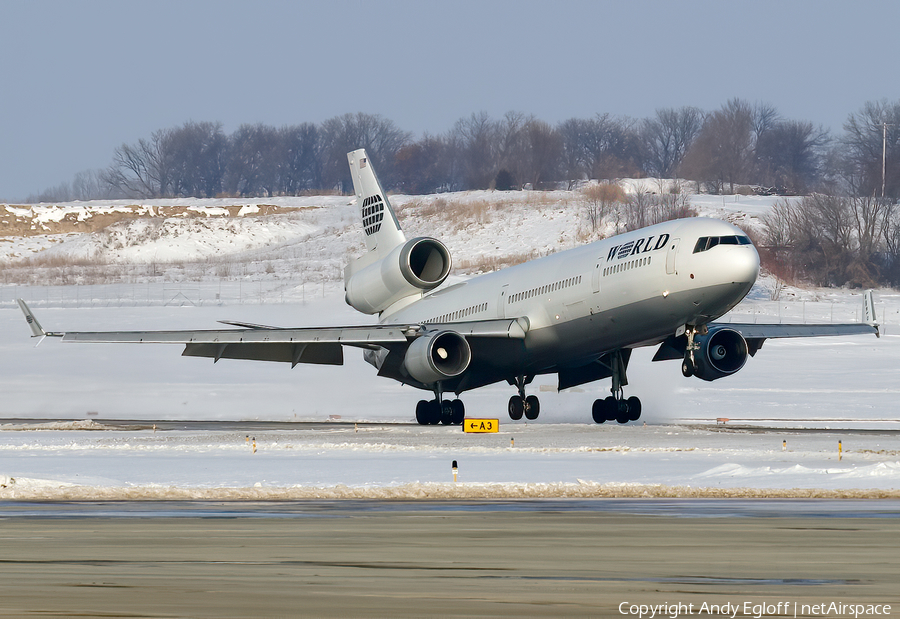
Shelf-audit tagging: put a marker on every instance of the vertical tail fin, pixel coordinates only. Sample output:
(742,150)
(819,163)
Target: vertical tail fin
(379,222)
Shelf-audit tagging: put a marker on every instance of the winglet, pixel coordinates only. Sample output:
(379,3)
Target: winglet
(36,329)
(869,316)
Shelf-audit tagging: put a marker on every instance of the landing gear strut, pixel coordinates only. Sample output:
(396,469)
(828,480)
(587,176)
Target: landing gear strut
(520,405)
(616,407)
(439,410)
(689,365)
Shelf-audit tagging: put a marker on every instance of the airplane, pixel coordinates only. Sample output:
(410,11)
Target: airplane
(577,313)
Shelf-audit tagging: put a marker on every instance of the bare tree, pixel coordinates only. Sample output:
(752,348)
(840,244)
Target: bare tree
(666,138)
(301,167)
(765,117)
(512,146)
(425,166)
(477,139)
(544,148)
(254,155)
(600,201)
(790,156)
(831,240)
(872,132)
(142,169)
(381,138)
(196,153)
(723,152)
(89,185)
(603,147)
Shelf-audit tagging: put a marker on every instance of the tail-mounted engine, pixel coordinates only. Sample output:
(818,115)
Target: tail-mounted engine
(438,356)
(418,265)
(721,352)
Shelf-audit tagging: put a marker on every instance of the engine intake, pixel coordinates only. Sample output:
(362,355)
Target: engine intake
(722,352)
(436,357)
(418,265)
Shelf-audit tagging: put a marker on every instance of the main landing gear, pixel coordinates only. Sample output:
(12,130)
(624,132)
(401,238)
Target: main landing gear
(616,407)
(520,405)
(440,411)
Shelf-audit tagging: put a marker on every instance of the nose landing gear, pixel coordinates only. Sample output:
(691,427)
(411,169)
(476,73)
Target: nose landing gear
(520,405)
(689,365)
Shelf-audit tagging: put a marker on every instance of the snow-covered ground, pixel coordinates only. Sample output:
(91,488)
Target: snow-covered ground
(837,385)
(409,461)
(284,270)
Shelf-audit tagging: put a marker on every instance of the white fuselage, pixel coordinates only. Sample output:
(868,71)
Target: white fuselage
(628,290)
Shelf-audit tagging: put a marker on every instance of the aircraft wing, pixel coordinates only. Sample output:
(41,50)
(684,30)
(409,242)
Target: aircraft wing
(765,332)
(321,345)
(756,334)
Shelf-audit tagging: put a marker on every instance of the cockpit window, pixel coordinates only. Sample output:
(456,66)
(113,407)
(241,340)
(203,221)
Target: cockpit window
(705,243)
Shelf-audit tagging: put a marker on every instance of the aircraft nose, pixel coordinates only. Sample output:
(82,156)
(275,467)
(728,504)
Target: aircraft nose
(742,264)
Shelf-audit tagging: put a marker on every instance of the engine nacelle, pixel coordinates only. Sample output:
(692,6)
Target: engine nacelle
(440,356)
(722,352)
(418,265)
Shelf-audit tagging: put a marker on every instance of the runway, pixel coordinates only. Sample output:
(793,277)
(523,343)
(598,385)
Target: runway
(218,425)
(455,559)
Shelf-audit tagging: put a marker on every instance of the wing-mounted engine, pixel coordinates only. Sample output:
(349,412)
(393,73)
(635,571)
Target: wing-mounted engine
(417,266)
(438,356)
(721,352)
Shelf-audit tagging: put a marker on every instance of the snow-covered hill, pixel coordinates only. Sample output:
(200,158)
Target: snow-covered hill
(300,238)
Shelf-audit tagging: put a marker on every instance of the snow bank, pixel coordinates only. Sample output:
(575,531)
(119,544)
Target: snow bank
(83,424)
(886,470)
(46,490)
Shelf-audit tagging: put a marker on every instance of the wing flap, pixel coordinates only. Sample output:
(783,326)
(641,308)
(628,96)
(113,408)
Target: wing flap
(328,353)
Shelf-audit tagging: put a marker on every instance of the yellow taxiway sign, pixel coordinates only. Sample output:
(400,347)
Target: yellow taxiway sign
(481,425)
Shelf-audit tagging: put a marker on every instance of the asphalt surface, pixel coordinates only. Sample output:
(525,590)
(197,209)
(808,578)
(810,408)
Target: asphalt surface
(448,559)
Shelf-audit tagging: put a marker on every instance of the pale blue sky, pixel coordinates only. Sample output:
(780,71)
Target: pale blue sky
(80,78)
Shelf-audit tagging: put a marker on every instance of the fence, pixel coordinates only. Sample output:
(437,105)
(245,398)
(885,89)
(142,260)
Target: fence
(887,307)
(167,294)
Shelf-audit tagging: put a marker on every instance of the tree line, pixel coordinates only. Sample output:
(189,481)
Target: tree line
(740,143)
(844,231)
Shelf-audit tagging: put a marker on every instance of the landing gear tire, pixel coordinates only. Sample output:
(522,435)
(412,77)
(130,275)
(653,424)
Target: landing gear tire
(423,412)
(610,407)
(516,407)
(458,414)
(428,412)
(634,408)
(446,412)
(532,407)
(435,415)
(613,409)
(687,367)
(598,411)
